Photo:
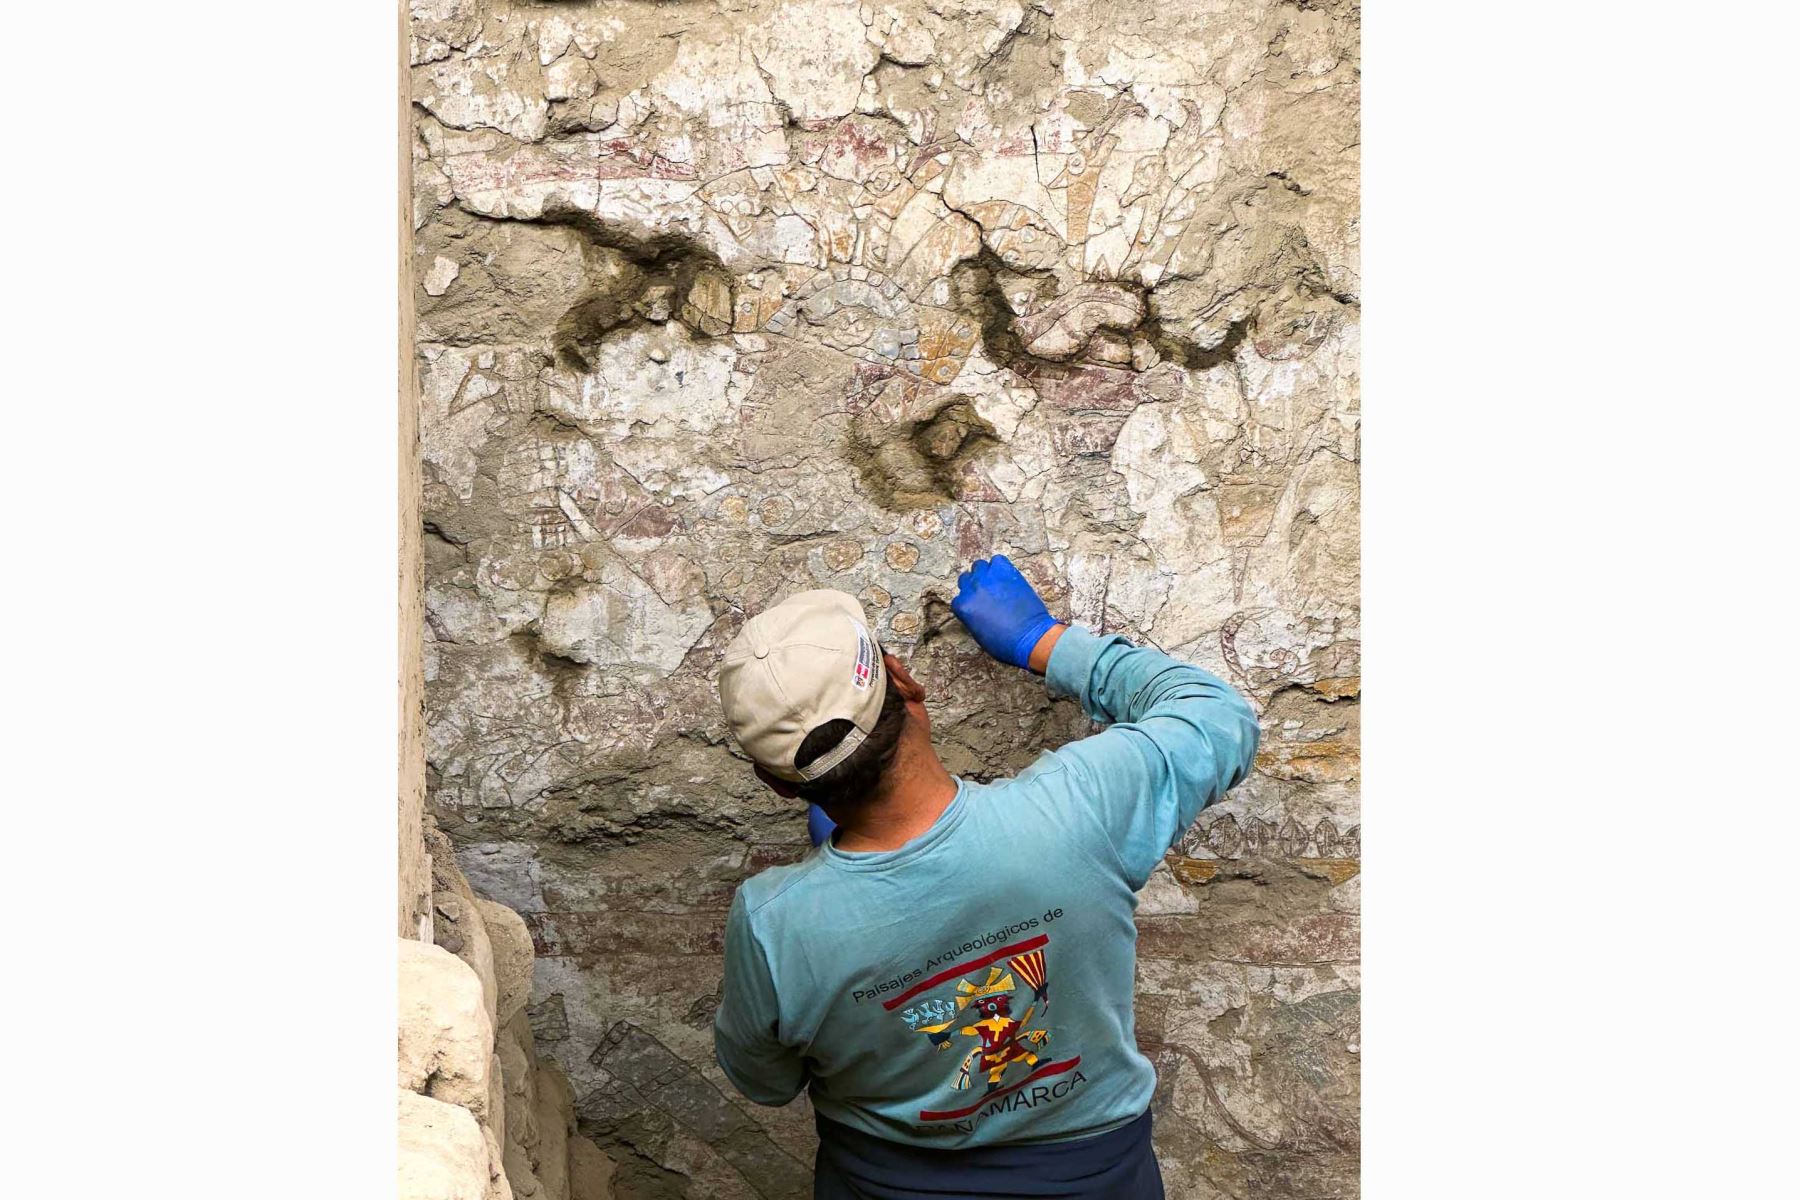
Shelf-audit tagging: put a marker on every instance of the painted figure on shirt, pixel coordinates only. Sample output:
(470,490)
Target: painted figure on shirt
(1003,1040)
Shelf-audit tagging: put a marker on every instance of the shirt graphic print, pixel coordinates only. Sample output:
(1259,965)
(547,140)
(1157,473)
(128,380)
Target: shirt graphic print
(998,1051)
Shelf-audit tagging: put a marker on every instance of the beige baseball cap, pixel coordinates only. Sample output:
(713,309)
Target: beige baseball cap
(793,667)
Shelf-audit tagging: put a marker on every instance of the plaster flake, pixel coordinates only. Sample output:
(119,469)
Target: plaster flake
(712,82)
(441,275)
(650,376)
(721,302)
(469,91)
(814,54)
(456,405)
(621,622)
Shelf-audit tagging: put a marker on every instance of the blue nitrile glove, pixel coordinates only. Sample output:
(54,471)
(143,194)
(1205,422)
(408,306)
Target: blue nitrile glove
(1001,609)
(818,825)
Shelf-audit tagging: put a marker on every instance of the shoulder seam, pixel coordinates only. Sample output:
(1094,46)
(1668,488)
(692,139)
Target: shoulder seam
(789,882)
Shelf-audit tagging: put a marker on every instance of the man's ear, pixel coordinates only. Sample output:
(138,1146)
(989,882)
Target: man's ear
(909,687)
(782,787)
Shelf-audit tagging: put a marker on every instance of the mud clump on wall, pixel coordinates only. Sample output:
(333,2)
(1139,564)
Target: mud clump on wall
(717,302)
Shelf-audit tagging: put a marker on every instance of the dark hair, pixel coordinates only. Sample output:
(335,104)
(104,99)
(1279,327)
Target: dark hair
(856,777)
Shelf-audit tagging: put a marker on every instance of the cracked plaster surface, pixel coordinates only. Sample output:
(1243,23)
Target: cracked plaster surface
(723,300)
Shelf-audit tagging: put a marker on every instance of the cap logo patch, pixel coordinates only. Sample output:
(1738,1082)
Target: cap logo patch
(863,673)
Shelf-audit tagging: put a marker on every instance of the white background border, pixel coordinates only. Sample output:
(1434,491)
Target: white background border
(1579,542)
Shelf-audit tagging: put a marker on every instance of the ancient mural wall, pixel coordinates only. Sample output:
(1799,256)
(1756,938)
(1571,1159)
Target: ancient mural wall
(722,300)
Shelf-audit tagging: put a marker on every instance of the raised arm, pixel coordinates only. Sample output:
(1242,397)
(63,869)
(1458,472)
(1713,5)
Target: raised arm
(1180,736)
(1180,739)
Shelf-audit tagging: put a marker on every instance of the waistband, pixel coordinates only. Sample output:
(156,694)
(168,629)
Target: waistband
(1117,1163)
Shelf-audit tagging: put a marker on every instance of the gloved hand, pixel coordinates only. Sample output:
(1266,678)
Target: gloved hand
(818,825)
(1001,609)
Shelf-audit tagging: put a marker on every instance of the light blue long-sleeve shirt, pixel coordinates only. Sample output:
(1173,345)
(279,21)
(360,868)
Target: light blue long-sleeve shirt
(975,985)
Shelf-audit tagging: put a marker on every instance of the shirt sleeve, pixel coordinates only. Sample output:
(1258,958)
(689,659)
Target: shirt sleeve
(1180,738)
(745,1040)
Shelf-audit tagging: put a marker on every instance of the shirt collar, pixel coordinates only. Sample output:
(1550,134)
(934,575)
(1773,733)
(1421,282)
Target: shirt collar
(876,860)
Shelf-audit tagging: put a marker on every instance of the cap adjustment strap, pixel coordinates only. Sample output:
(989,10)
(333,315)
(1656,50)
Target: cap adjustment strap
(832,757)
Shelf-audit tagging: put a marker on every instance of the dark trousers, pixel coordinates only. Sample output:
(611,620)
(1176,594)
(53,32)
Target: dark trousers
(1119,1165)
